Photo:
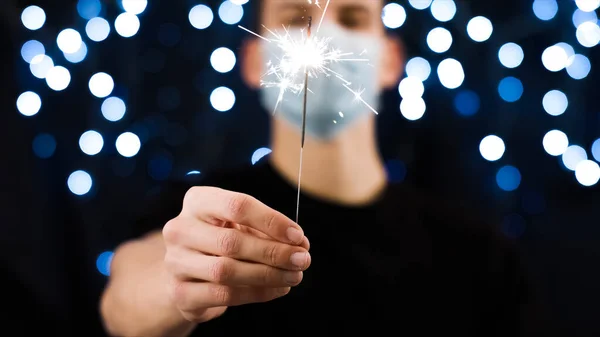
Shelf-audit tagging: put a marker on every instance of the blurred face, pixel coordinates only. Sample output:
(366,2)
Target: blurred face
(361,17)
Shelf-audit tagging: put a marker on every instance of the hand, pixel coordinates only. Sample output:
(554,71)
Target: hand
(227,249)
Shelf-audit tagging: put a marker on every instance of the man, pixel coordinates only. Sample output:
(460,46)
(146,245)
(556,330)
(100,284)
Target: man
(382,257)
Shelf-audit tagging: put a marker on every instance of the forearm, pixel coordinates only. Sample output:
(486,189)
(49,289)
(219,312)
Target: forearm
(135,302)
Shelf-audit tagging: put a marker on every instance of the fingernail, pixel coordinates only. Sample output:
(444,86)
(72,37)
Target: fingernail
(295,235)
(292,277)
(299,259)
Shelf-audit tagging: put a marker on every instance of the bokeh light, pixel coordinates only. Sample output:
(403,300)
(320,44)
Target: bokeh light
(508,178)
(113,109)
(555,58)
(97,29)
(467,103)
(230,13)
(40,66)
(103,263)
(587,5)
(134,6)
(513,226)
(101,85)
(588,34)
(596,150)
(555,142)
(58,78)
(587,173)
(480,28)
(418,67)
(128,144)
(80,182)
(511,55)
(200,16)
(579,67)
(222,60)
(443,10)
(29,103)
(259,154)
(555,102)
(492,148)
(393,15)
(69,40)
(88,9)
(91,142)
(222,99)
(127,24)
(396,171)
(413,108)
(31,49)
(510,89)
(240,2)
(439,40)
(411,87)
(44,145)
(545,9)
(580,17)
(33,17)
(451,73)
(573,156)
(77,56)
(420,4)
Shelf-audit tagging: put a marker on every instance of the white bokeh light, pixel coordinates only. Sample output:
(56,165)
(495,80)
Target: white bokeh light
(574,155)
(420,4)
(40,66)
(393,15)
(587,173)
(413,108)
(69,41)
(480,28)
(29,103)
(222,60)
(443,10)
(113,109)
(579,66)
(569,50)
(439,40)
(33,17)
(588,34)
(240,2)
(97,29)
(200,16)
(511,55)
(492,148)
(411,87)
(587,5)
(91,142)
(555,142)
(31,49)
(418,67)
(555,102)
(135,6)
(230,13)
(58,78)
(127,24)
(580,17)
(101,85)
(259,154)
(222,99)
(128,144)
(80,182)
(555,58)
(451,73)
(77,56)
(545,9)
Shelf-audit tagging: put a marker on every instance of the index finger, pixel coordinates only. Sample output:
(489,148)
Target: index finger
(210,203)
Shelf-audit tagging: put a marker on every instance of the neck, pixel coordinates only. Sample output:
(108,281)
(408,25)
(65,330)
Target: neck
(347,170)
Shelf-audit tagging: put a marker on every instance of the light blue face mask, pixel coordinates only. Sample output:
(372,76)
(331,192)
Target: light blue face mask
(331,107)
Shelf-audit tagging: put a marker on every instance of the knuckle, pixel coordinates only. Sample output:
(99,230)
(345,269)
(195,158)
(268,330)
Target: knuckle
(172,231)
(192,194)
(221,294)
(221,271)
(237,204)
(270,254)
(228,243)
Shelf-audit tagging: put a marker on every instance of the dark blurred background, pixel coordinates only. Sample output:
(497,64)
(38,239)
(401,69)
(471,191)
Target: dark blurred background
(76,169)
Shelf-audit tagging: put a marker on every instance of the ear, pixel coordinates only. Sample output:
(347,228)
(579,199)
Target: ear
(392,64)
(251,66)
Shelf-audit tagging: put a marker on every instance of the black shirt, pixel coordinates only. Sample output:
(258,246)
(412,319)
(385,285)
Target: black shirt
(405,263)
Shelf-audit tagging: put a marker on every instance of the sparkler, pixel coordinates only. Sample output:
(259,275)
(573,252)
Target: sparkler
(308,57)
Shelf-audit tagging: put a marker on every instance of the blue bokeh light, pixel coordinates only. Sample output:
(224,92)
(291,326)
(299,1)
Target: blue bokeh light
(596,150)
(230,13)
(259,154)
(580,17)
(44,145)
(31,49)
(103,262)
(579,67)
(510,89)
(467,103)
(508,178)
(113,109)
(396,171)
(88,9)
(160,167)
(545,9)
(77,56)
(97,29)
